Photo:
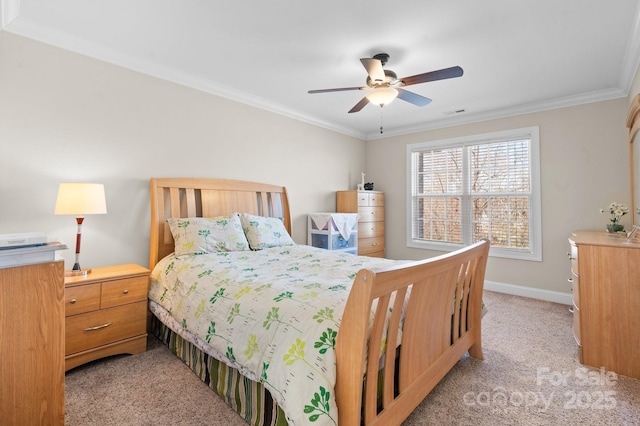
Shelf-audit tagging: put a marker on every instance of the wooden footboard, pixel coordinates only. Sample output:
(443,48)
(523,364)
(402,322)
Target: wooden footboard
(443,297)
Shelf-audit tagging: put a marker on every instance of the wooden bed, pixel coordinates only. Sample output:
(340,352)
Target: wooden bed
(442,317)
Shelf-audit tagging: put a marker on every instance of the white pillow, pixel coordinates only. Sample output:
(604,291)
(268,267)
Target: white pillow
(200,235)
(264,232)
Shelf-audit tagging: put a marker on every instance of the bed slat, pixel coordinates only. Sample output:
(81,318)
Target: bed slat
(375,344)
(392,344)
(190,199)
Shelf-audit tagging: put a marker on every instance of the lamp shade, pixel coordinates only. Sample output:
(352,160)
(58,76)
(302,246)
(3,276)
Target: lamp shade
(382,95)
(80,199)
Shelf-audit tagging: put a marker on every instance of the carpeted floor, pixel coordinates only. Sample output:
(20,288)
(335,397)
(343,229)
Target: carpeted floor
(530,376)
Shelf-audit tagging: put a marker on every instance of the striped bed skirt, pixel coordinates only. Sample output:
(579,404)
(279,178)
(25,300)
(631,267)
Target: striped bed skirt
(248,398)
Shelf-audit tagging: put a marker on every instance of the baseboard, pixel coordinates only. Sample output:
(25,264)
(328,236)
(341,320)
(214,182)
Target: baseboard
(533,293)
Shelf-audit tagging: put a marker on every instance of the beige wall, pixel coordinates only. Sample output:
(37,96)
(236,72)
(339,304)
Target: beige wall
(584,159)
(66,117)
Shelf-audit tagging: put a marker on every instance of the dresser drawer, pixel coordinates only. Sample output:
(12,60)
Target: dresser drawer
(374,254)
(366,246)
(370,229)
(363,199)
(371,214)
(576,324)
(81,299)
(573,255)
(575,289)
(96,328)
(376,199)
(370,199)
(124,291)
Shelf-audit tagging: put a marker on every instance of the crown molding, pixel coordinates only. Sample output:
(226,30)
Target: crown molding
(9,11)
(529,108)
(64,41)
(631,60)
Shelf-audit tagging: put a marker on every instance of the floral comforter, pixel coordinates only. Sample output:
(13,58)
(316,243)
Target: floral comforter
(273,314)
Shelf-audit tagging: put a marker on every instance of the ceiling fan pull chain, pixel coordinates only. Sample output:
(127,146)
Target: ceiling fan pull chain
(381,119)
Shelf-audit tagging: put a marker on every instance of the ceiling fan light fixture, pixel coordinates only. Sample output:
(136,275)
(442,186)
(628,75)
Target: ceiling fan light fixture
(382,95)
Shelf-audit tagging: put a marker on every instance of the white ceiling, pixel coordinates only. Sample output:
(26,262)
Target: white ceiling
(518,55)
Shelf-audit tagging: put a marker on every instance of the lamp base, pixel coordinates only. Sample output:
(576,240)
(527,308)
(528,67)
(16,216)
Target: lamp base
(77,273)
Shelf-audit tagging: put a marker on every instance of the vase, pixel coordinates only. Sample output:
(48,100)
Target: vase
(615,227)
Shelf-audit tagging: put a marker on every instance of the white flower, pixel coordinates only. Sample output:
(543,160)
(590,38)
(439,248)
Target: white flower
(617,210)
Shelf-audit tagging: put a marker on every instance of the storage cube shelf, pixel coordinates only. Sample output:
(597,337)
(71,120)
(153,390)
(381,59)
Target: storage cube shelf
(324,231)
(337,242)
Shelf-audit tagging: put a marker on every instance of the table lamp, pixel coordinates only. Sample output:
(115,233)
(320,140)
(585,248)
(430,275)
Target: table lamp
(80,199)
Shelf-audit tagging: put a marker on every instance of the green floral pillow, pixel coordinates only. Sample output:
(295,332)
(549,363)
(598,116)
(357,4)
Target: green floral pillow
(200,235)
(264,232)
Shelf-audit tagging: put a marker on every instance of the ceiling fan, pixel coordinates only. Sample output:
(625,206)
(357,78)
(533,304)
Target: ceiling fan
(384,85)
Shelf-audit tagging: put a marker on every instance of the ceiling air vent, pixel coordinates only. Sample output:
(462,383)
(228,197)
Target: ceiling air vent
(455,111)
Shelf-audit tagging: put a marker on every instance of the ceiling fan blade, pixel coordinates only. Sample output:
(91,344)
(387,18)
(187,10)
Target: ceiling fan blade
(413,98)
(433,76)
(359,105)
(340,89)
(374,69)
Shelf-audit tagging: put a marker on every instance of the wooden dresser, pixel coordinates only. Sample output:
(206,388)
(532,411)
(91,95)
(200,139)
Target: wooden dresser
(370,206)
(32,341)
(605,275)
(106,313)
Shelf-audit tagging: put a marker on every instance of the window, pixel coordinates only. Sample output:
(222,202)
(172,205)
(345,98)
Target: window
(485,186)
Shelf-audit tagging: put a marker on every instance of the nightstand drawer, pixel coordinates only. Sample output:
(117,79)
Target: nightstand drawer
(120,292)
(81,299)
(97,328)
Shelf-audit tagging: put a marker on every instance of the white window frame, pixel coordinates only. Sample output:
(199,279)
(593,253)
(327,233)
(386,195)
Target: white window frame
(534,253)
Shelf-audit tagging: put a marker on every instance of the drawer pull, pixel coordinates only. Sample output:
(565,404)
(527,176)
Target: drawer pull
(73,301)
(97,327)
(374,244)
(125,291)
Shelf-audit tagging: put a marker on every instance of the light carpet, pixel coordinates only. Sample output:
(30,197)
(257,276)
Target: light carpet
(530,376)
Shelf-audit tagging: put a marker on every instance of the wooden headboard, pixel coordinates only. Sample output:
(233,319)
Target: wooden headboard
(202,197)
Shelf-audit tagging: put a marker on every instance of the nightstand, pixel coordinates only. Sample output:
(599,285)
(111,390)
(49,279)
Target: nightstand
(105,313)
